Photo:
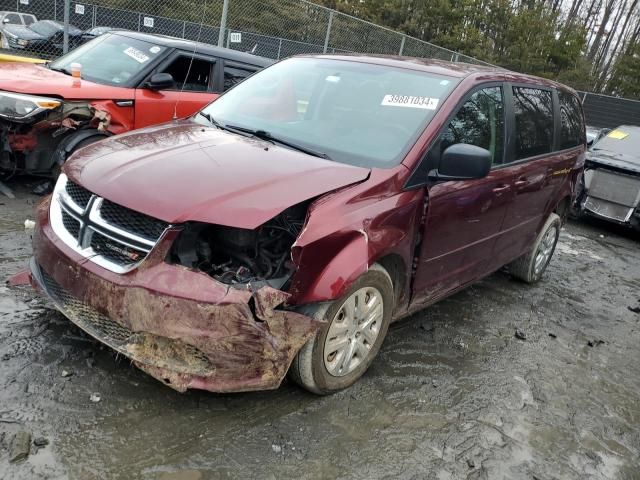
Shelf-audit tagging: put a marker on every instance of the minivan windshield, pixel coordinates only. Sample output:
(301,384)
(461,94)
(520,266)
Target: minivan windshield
(349,111)
(110,59)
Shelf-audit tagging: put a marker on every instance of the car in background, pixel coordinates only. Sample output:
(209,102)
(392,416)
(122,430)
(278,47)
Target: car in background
(13,18)
(16,18)
(129,80)
(44,37)
(611,188)
(94,32)
(288,223)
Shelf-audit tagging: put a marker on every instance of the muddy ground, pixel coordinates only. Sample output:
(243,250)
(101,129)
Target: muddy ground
(453,395)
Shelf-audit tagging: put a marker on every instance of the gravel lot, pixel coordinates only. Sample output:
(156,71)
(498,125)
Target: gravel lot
(453,395)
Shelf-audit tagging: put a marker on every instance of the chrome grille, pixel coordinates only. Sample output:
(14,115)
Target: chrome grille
(78,194)
(615,187)
(71,224)
(131,220)
(610,210)
(110,235)
(114,251)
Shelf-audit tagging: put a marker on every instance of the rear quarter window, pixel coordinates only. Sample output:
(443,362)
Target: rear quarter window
(28,19)
(235,74)
(533,109)
(571,121)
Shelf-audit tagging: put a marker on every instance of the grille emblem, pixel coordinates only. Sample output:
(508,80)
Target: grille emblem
(117,243)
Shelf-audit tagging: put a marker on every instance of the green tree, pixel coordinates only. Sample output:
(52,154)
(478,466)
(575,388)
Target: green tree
(625,80)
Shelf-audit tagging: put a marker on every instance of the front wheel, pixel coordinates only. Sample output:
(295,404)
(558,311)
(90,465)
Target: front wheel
(345,346)
(530,267)
(60,156)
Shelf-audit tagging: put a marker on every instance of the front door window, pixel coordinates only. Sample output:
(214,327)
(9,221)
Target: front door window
(479,122)
(190,74)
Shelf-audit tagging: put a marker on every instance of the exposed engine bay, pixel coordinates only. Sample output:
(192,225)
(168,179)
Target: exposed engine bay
(241,257)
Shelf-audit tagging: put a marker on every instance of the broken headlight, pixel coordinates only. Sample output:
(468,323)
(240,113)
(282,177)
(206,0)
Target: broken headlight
(237,256)
(21,108)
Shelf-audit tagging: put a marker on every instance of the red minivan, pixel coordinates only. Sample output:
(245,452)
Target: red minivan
(128,80)
(286,225)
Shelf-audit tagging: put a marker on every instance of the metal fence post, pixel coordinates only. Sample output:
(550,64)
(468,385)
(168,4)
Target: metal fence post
(404,38)
(65,38)
(223,22)
(279,49)
(326,38)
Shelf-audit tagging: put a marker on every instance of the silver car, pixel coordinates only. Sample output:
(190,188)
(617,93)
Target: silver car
(13,18)
(611,188)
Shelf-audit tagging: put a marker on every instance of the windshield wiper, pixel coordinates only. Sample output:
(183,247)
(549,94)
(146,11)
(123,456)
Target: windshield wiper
(264,135)
(219,125)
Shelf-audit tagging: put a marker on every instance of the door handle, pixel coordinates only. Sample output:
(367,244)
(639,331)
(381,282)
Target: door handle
(501,189)
(521,182)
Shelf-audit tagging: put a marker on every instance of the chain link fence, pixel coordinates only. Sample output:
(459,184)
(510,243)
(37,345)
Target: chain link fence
(270,28)
(604,111)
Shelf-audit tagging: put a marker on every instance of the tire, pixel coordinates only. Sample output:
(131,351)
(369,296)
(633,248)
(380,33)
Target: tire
(531,266)
(57,167)
(318,370)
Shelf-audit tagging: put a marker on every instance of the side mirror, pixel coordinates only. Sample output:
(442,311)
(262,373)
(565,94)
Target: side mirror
(6,20)
(160,81)
(462,162)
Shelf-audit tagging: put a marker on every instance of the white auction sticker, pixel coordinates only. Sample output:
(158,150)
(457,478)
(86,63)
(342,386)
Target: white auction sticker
(136,54)
(79,9)
(410,101)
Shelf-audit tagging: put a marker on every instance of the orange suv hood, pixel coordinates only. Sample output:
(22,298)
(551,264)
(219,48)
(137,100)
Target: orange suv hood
(39,80)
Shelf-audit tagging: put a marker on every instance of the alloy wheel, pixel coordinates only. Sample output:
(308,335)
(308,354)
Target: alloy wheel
(353,331)
(545,250)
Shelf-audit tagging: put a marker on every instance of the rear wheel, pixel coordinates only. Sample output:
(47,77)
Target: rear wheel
(530,267)
(345,346)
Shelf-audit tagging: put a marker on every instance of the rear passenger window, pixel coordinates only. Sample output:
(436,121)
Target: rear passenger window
(571,122)
(234,75)
(479,122)
(198,73)
(534,121)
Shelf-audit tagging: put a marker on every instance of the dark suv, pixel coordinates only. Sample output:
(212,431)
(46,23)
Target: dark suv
(287,224)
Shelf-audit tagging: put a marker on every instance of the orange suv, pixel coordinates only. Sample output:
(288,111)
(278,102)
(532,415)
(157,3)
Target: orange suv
(128,80)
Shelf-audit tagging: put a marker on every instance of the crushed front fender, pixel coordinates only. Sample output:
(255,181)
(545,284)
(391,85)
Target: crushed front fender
(179,325)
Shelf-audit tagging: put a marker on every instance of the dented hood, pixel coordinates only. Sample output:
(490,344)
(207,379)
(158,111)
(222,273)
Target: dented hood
(39,80)
(186,172)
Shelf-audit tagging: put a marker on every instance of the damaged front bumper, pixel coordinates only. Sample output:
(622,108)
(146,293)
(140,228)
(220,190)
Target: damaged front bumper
(612,195)
(178,325)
